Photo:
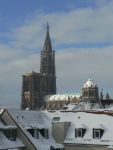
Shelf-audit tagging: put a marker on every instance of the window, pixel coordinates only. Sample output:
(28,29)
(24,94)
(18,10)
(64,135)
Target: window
(31,131)
(53,148)
(34,133)
(79,132)
(10,134)
(44,133)
(91,93)
(97,133)
(56,118)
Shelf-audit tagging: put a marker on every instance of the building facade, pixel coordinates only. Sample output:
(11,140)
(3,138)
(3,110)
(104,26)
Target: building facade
(36,85)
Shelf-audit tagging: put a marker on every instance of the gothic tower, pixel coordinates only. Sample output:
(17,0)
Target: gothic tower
(47,66)
(31,96)
(36,85)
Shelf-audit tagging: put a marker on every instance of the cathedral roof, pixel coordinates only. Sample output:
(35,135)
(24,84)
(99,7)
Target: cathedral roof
(89,83)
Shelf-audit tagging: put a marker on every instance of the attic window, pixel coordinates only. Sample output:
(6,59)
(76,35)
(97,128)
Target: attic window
(34,133)
(53,148)
(97,133)
(10,134)
(79,132)
(56,118)
(44,133)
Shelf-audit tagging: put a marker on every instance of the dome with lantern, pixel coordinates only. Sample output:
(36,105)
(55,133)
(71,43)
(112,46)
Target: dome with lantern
(89,83)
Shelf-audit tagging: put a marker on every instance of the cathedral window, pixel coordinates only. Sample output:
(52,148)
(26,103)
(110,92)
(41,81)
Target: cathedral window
(86,93)
(91,93)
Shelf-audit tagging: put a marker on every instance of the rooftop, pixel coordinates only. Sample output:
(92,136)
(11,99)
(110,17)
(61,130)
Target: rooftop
(89,83)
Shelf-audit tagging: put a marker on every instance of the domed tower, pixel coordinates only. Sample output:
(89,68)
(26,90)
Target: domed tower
(90,91)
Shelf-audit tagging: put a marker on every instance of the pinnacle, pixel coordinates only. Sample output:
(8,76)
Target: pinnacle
(47,44)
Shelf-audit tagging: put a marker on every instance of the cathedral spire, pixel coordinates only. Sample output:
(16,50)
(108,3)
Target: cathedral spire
(47,26)
(101,95)
(47,44)
(107,96)
(47,65)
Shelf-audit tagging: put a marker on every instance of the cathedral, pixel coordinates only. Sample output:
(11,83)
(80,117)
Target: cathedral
(36,85)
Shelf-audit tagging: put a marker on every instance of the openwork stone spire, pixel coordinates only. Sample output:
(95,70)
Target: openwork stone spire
(47,65)
(47,44)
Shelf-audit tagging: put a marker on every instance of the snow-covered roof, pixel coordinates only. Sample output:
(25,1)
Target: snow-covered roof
(88,121)
(82,106)
(7,127)
(29,119)
(70,106)
(89,83)
(1,110)
(62,97)
(3,126)
(35,119)
(7,144)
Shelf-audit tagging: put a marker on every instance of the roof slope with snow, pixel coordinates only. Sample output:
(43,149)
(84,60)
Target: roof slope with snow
(84,120)
(5,143)
(88,121)
(29,119)
(62,97)
(35,120)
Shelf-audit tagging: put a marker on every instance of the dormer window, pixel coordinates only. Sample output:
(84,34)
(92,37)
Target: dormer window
(56,118)
(34,133)
(79,132)
(44,133)
(10,134)
(97,133)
